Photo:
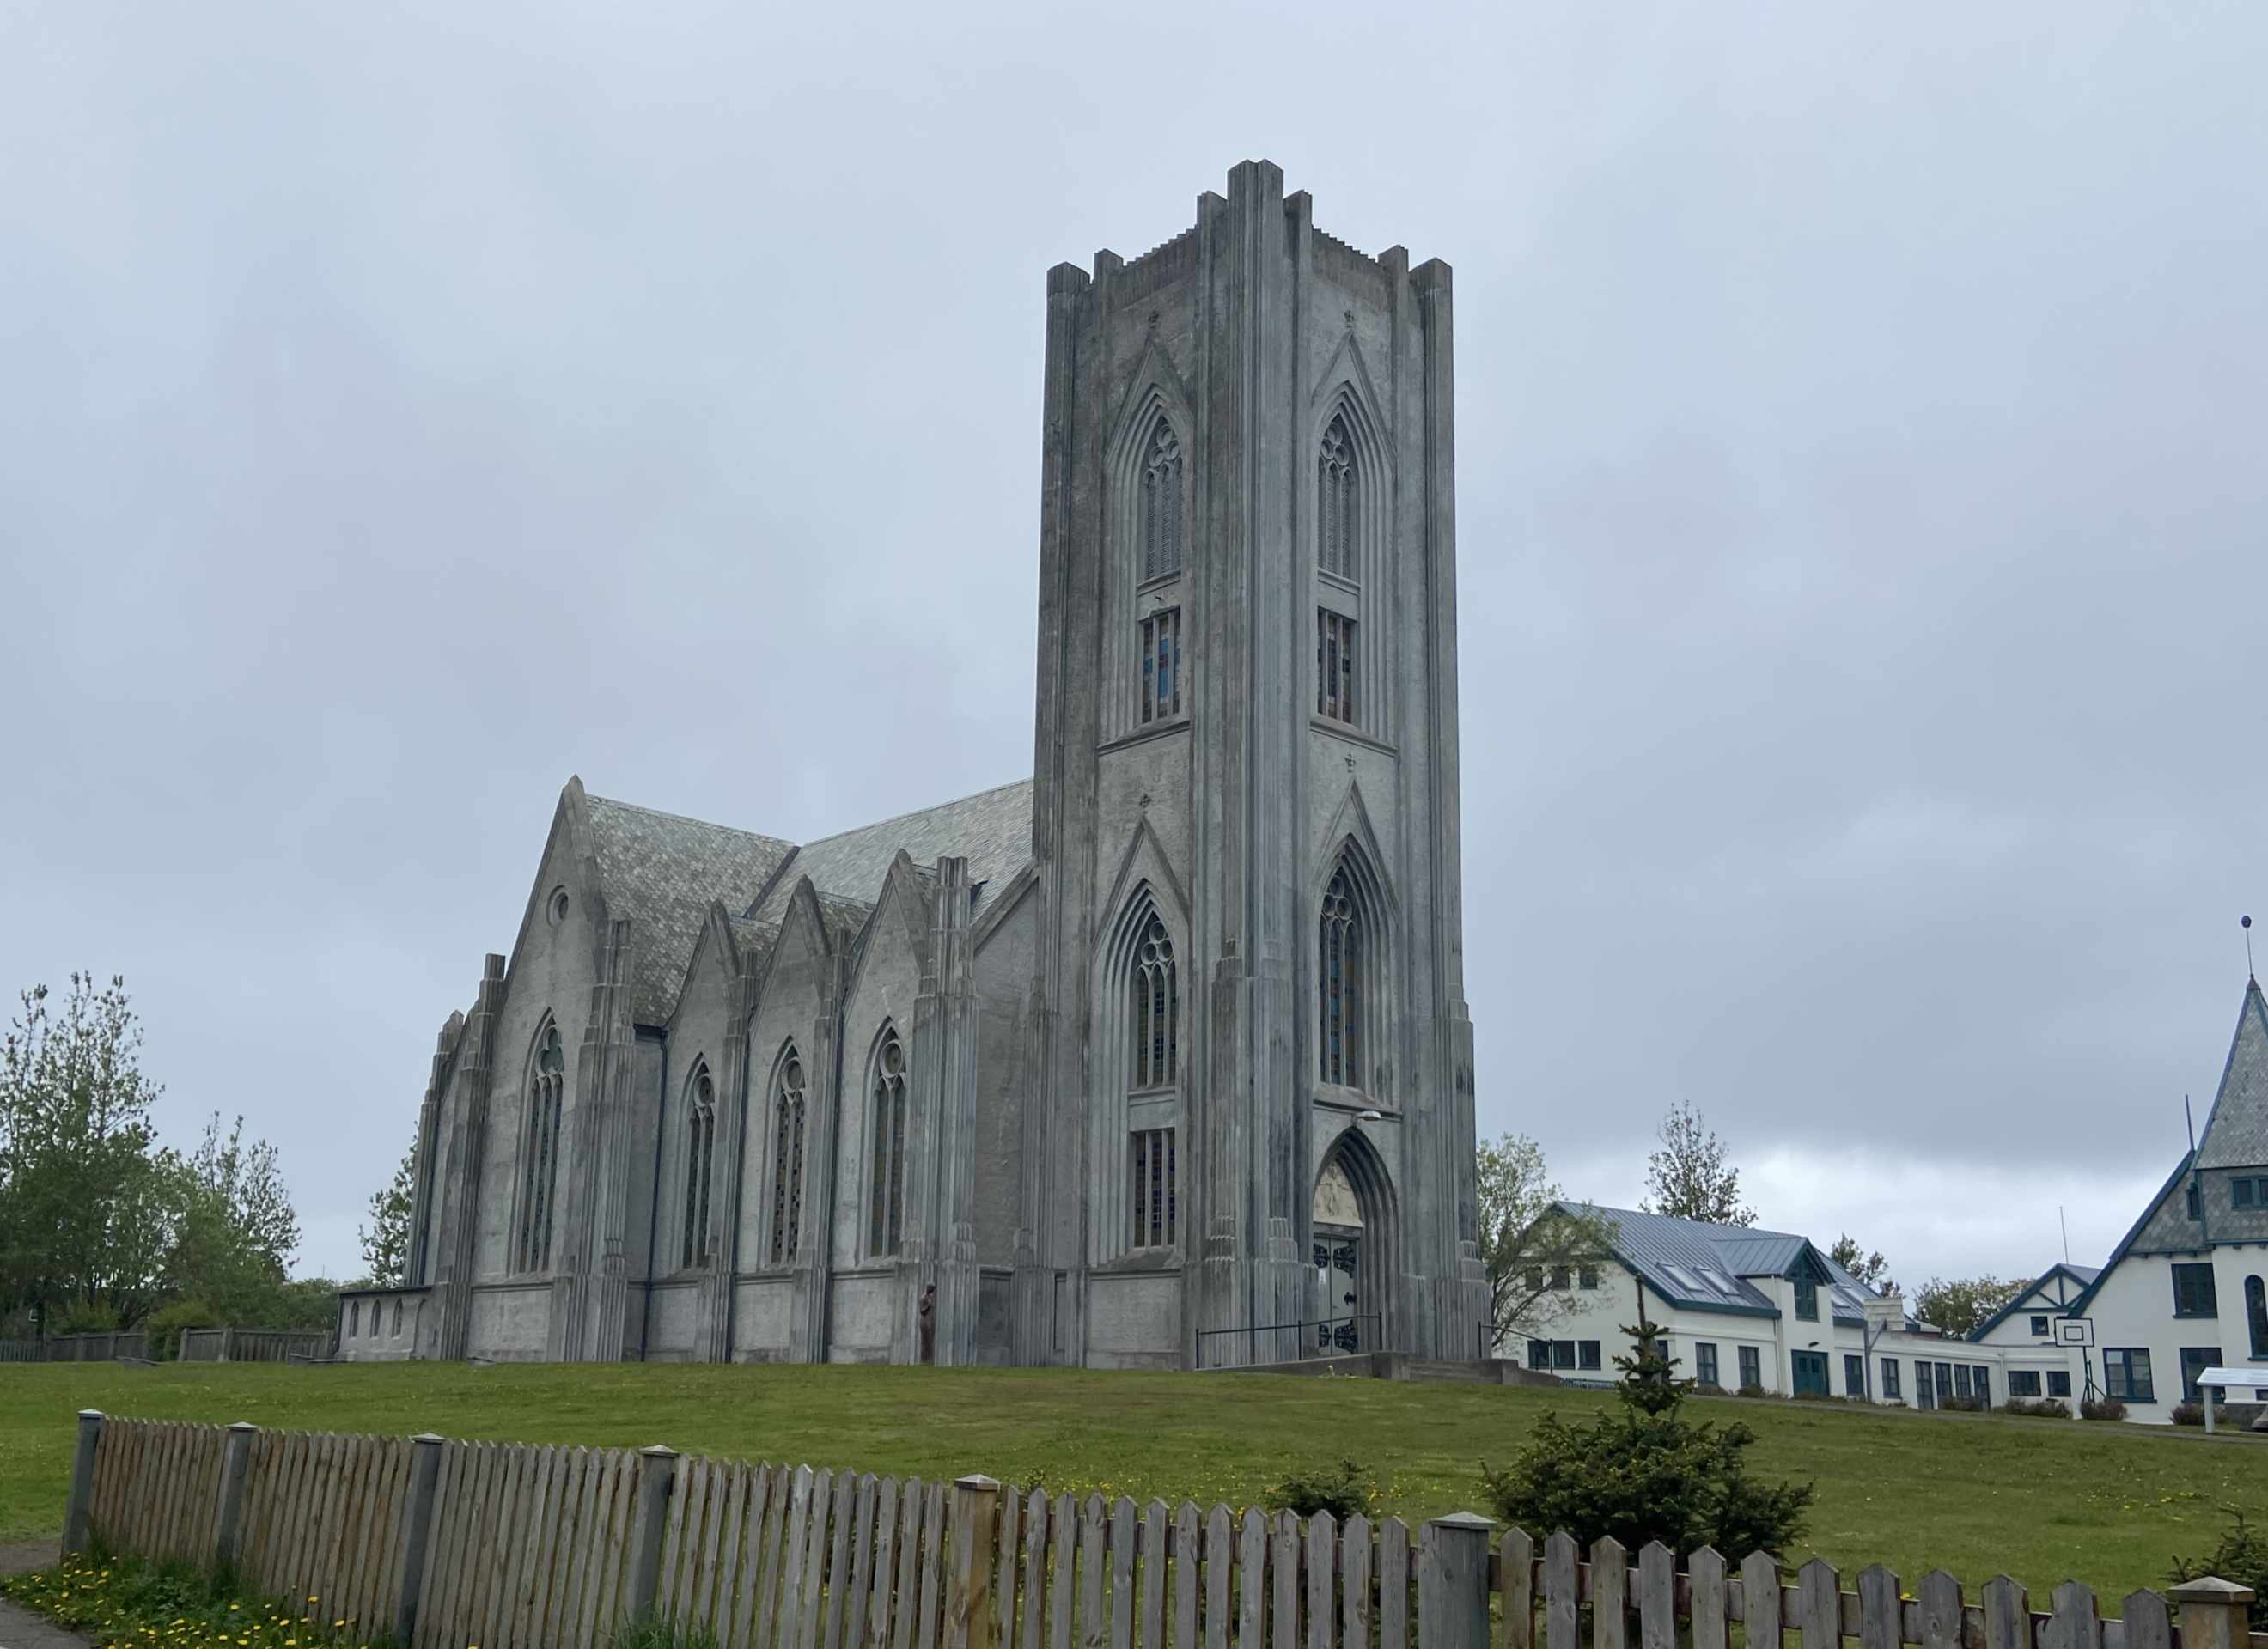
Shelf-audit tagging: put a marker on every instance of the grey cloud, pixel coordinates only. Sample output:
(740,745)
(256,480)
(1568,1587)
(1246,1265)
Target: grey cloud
(1860,502)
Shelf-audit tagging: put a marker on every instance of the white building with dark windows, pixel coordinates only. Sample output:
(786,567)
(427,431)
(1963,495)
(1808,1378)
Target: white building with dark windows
(2036,1351)
(1763,1311)
(2186,1289)
(1114,1065)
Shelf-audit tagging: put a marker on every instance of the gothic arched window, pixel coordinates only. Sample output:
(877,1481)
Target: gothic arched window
(886,1215)
(787,1157)
(1343,978)
(700,1156)
(1156,1009)
(1335,533)
(2256,1313)
(1161,502)
(547,1087)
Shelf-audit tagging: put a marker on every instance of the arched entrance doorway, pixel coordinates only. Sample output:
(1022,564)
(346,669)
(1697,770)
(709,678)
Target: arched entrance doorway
(1352,1230)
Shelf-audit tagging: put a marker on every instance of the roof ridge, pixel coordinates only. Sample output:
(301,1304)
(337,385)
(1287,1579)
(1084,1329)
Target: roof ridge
(915,813)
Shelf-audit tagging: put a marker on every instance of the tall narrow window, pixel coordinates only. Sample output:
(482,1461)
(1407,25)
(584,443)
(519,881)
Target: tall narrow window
(1334,666)
(886,1217)
(787,1159)
(1335,519)
(1161,664)
(700,1156)
(1153,1202)
(1157,1010)
(1161,502)
(546,1085)
(2256,1314)
(1341,981)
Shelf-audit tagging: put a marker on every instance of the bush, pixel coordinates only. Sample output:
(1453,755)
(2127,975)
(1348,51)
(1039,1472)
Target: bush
(1960,1404)
(166,1326)
(1757,1391)
(2241,1556)
(1819,1396)
(1646,1473)
(1343,1492)
(1709,1388)
(81,1318)
(2042,1408)
(2189,1413)
(2101,1409)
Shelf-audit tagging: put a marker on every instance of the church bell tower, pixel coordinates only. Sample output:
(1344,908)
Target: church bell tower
(1250,981)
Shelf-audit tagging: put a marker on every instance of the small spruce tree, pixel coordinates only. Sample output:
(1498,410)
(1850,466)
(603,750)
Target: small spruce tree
(1646,1473)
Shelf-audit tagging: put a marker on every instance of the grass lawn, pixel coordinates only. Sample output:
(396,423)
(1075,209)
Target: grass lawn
(2043,1500)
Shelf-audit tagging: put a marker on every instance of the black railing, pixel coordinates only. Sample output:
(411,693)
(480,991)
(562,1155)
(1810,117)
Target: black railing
(1291,1342)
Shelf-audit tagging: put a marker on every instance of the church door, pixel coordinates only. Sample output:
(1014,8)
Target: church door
(1339,1307)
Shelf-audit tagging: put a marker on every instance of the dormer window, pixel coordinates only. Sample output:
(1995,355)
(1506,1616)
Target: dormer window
(1807,1299)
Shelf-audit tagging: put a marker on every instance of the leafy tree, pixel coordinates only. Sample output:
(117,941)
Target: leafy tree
(1689,1176)
(1535,1249)
(1871,1269)
(386,1240)
(1961,1305)
(1646,1473)
(86,1211)
(237,1231)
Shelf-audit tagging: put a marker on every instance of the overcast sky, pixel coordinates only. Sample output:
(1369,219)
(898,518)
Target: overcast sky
(1862,491)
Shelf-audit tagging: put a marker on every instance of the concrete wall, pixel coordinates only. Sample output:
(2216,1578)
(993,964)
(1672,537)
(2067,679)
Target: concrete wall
(392,1326)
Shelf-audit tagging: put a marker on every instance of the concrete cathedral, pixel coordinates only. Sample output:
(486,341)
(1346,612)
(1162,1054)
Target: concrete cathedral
(1123,1065)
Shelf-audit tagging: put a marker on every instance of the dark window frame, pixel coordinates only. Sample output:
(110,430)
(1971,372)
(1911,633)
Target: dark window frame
(2195,1272)
(2118,1377)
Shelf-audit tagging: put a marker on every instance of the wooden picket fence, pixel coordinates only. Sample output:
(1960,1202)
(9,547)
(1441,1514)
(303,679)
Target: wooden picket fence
(78,1348)
(445,1544)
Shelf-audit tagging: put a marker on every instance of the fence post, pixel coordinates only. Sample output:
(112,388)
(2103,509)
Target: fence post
(416,1533)
(976,1524)
(2215,1612)
(82,1488)
(228,1519)
(656,1466)
(1453,1582)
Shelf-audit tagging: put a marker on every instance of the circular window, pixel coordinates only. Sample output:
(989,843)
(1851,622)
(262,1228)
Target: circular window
(558,906)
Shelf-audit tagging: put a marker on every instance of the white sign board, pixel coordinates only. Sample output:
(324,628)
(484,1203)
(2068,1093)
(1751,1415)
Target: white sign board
(2254,1380)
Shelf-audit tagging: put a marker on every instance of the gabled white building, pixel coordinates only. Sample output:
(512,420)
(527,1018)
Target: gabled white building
(2037,1357)
(2187,1288)
(1763,1311)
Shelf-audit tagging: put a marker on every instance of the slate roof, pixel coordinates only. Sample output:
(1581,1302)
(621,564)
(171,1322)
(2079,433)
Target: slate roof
(991,829)
(1705,1268)
(2236,1137)
(2236,1128)
(661,871)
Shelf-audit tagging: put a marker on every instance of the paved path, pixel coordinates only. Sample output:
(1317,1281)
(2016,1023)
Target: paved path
(20,1628)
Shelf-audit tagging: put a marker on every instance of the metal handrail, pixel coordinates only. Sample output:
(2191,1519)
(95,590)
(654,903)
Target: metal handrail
(1303,1349)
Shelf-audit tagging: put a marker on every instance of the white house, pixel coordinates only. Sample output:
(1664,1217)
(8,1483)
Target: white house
(2187,1288)
(2038,1360)
(1760,1310)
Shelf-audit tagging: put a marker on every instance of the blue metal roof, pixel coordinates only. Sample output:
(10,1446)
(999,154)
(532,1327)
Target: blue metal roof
(1703,1267)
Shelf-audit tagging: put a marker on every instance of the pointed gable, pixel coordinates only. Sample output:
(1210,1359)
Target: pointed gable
(661,872)
(2236,1128)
